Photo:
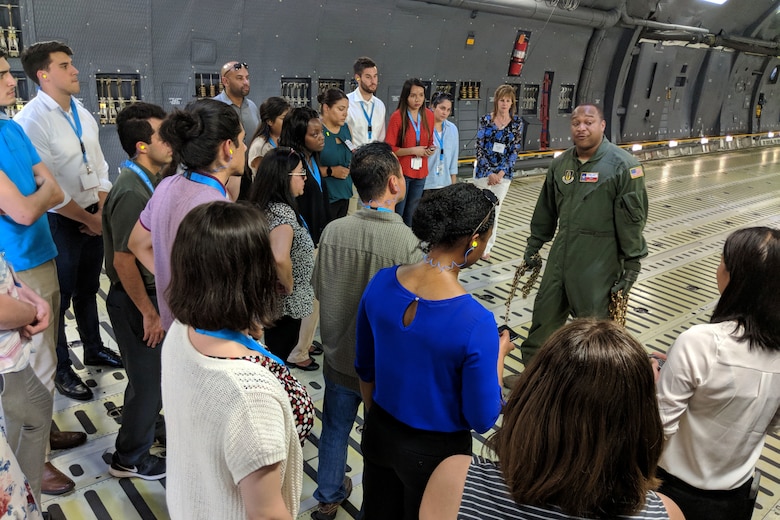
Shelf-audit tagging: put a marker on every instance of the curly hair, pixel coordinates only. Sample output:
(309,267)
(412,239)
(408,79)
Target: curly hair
(451,213)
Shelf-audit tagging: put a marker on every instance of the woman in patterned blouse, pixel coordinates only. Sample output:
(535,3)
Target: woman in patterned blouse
(499,140)
(280,180)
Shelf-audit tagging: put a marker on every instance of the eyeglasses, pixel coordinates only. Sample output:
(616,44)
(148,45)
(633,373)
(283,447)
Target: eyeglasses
(303,173)
(491,197)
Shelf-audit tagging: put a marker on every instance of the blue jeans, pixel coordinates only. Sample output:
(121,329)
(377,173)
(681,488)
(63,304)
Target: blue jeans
(414,191)
(79,261)
(339,409)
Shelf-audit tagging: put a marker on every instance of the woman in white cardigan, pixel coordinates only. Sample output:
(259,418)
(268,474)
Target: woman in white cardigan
(233,412)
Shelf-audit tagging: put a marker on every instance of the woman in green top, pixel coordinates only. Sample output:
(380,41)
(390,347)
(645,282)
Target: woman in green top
(337,154)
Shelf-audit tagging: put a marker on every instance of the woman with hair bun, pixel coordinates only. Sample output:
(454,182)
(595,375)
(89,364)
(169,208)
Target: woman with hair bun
(208,140)
(719,391)
(337,153)
(428,355)
(580,438)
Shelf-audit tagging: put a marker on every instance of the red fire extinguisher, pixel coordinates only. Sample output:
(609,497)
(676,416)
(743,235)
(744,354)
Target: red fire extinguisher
(518,54)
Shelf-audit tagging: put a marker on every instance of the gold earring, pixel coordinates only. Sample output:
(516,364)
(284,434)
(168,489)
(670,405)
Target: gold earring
(474,244)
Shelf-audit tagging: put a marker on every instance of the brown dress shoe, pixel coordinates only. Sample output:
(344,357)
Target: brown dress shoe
(54,481)
(66,440)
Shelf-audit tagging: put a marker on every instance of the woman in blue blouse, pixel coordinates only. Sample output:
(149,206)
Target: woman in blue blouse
(443,164)
(428,355)
(337,154)
(499,140)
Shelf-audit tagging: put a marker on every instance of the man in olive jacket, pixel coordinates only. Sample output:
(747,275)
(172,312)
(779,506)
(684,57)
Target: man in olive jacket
(594,193)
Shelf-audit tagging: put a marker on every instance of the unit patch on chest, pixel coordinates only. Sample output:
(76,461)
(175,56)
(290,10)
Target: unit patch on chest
(589,177)
(568,177)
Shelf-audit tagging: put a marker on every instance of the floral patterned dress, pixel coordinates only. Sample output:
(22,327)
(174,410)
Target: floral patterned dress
(16,497)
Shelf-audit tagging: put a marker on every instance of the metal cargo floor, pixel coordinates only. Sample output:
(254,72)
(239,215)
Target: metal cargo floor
(695,202)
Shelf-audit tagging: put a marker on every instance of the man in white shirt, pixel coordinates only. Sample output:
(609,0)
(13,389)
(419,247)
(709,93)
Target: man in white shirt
(66,137)
(366,115)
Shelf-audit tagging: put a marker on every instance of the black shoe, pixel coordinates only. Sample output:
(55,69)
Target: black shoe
(149,467)
(313,365)
(104,357)
(70,385)
(316,349)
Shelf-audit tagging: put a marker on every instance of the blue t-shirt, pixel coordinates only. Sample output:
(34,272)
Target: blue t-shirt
(437,374)
(25,246)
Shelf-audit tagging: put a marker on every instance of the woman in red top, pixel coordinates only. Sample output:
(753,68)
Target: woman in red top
(410,133)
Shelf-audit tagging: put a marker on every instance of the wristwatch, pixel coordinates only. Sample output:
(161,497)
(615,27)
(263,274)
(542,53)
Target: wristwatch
(329,172)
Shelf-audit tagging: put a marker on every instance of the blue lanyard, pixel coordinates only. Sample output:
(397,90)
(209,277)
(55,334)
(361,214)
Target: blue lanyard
(76,126)
(271,140)
(369,118)
(138,171)
(380,208)
(234,335)
(440,139)
(206,180)
(416,127)
(314,171)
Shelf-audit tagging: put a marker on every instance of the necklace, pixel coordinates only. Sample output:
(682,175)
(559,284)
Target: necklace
(501,122)
(436,264)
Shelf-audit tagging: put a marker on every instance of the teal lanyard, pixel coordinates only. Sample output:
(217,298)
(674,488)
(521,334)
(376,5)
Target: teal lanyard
(76,126)
(234,335)
(206,180)
(130,165)
(368,117)
(415,126)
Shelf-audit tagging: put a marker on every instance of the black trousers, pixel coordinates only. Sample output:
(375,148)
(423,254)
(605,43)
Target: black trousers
(283,336)
(702,504)
(143,396)
(339,208)
(398,461)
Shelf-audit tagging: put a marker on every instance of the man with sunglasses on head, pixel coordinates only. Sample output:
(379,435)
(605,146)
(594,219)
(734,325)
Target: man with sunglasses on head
(235,79)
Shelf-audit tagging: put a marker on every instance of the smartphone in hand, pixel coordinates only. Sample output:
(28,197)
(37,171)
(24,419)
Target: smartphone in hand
(512,334)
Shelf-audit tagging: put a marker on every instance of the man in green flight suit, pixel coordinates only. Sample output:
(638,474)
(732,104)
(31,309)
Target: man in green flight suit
(595,194)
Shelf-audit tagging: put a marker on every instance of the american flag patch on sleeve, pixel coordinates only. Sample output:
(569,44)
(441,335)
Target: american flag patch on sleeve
(637,172)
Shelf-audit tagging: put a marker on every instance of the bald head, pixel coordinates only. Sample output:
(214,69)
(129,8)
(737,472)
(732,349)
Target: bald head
(235,77)
(587,129)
